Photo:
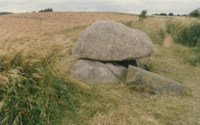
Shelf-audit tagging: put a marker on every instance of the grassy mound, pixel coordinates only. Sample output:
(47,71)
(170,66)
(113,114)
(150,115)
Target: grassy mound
(36,86)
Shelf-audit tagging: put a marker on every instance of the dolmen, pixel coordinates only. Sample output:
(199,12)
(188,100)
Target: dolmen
(106,49)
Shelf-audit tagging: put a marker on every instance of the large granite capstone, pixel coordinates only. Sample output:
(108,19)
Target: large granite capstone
(112,41)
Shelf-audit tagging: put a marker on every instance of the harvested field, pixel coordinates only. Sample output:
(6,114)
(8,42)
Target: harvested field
(32,24)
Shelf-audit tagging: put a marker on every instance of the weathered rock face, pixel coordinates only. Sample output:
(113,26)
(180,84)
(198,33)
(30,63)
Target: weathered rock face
(97,72)
(112,41)
(112,46)
(156,82)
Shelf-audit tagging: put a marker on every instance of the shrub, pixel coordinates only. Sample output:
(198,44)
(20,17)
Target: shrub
(170,14)
(195,13)
(143,14)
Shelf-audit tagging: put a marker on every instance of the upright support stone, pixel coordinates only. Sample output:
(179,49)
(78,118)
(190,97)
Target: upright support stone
(97,72)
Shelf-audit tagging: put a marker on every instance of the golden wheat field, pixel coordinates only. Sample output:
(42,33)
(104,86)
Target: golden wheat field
(38,35)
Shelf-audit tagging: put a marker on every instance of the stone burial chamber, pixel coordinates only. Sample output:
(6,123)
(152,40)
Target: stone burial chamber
(109,50)
(105,50)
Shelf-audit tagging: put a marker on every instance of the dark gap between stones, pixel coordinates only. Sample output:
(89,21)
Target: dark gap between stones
(122,63)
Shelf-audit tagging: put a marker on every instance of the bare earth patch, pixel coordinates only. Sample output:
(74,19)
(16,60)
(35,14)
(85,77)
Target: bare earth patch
(168,40)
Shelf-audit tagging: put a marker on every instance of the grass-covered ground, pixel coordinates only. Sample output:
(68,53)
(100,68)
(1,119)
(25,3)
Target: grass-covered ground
(36,86)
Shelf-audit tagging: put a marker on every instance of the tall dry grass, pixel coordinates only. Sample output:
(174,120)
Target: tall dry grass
(33,24)
(59,98)
(33,89)
(116,103)
(186,32)
(154,27)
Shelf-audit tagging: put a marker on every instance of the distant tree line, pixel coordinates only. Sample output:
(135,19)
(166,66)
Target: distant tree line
(46,10)
(5,13)
(194,13)
(165,14)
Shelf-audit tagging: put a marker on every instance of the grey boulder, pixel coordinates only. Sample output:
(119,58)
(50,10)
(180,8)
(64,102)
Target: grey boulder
(112,41)
(154,81)
(97,72)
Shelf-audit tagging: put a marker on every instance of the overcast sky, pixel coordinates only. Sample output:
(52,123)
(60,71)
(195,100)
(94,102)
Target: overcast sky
(128,6)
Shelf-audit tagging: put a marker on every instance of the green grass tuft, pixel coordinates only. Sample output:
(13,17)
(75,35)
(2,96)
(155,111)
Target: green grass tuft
(188,36)
(34,93)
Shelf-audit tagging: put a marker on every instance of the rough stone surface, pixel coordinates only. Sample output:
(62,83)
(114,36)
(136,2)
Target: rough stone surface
(112,41)
(156,82)
(97,72)
(118,70)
